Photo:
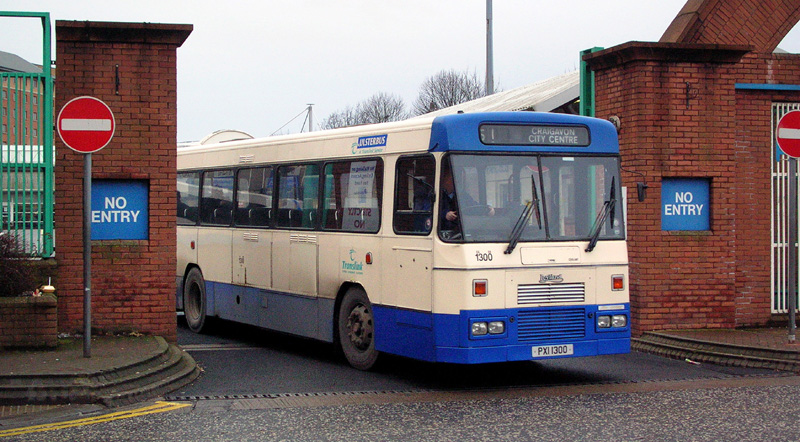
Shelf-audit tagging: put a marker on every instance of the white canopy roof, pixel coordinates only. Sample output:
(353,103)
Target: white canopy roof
(543,96)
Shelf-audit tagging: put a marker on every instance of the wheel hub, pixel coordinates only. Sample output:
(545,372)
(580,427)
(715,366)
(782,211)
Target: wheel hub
(359,327)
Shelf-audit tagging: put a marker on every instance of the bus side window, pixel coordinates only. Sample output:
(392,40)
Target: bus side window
(414,195)
(254,197)
(216,202)
(188,198)
(297,196)
(352,196)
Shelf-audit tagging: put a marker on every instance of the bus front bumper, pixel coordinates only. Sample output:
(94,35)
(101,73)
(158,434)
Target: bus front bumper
(527,334)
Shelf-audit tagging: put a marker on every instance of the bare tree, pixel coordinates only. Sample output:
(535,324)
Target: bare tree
(382,108)
(343,118)
(379,108)
(447,88)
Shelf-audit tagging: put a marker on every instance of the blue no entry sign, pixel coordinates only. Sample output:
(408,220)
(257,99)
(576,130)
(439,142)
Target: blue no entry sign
(120,209)
(685,204)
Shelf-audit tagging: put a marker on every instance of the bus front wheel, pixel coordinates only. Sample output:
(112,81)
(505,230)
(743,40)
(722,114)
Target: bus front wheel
(357,329)
(194,300)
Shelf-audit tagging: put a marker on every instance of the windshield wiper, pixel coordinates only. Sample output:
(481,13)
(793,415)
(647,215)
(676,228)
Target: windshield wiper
(530,207)
(597,227)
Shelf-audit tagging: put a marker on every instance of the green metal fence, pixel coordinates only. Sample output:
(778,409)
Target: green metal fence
(26,150)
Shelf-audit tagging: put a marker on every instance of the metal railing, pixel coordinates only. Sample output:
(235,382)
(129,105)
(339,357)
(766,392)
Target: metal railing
(26,150)
(781,218)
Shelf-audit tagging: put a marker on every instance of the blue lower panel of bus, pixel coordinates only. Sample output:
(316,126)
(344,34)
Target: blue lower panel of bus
(529,333)
(306,316)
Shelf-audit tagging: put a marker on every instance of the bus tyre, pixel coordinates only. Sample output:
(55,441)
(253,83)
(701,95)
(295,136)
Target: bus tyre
(194,300)
(357,329)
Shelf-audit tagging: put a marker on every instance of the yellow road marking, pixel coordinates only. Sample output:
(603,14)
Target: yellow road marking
(159,407)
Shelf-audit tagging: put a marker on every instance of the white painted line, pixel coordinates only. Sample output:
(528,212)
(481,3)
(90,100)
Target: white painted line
(86,124)
(218,347)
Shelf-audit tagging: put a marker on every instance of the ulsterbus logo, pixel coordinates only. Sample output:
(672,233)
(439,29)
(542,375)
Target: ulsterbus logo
(370,145)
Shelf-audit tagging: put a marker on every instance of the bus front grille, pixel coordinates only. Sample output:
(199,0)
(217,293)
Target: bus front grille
(551,324)
(550,293)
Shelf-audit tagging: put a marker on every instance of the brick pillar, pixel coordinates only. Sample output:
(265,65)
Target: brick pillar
(132,68)
(698,111)
(677,108)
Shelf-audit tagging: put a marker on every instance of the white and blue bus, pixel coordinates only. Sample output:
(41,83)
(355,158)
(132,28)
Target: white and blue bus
(468,238)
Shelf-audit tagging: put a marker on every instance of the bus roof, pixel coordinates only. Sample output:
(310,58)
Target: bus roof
(459,132)
(469,132)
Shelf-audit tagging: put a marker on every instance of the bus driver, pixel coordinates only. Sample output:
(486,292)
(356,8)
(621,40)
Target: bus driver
(449,206)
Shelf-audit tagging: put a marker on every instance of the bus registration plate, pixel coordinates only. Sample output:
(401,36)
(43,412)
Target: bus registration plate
(545,351)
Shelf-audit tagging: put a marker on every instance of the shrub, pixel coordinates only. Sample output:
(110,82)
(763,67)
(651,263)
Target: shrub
(16,273)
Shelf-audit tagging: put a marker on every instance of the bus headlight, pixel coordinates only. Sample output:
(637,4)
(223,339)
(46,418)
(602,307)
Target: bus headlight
(497,327)
(480,328)
(484,328)
(609,321)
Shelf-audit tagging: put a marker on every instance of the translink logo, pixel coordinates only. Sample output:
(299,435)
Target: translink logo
(352,266)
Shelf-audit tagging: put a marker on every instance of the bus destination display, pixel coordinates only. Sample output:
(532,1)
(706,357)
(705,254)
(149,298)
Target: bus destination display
(534,135)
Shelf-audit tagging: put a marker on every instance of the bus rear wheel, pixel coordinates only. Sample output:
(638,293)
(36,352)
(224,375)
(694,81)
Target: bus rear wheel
(194,300)
(356,328)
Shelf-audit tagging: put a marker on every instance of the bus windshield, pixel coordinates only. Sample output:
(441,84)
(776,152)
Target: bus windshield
(530,198)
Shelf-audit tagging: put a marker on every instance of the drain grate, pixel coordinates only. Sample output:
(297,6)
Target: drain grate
(292,395)
(375,397)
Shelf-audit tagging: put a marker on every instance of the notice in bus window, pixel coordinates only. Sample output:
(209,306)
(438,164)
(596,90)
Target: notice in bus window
(361,203)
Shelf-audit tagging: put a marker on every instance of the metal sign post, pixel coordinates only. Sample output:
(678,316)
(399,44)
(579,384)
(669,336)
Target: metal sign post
(87,255)
(792,247)
(86,125)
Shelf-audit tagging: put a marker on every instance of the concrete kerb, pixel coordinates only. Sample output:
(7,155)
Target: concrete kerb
(721,353)
(131,369)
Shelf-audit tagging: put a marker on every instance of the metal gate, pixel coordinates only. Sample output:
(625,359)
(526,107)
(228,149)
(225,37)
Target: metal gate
(26,149)
(780,216)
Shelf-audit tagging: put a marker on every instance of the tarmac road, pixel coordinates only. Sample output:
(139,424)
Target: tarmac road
(244,361)
(741,409)
(259,385)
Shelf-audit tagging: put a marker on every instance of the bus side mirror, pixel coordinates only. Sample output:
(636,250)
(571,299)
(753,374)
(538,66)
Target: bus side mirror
(641,191)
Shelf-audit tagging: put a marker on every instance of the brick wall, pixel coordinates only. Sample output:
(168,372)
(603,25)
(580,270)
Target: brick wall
(132,68)
(28,322)
(682,116)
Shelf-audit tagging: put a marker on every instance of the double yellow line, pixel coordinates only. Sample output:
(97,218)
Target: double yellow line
(158,407)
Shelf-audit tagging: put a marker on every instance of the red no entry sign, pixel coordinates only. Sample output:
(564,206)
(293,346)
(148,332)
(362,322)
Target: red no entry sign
(85,124)
(788,134)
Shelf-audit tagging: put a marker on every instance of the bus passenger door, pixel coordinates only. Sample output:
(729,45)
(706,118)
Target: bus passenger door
(409,278)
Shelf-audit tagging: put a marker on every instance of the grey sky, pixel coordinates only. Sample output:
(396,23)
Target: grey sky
(253,65)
